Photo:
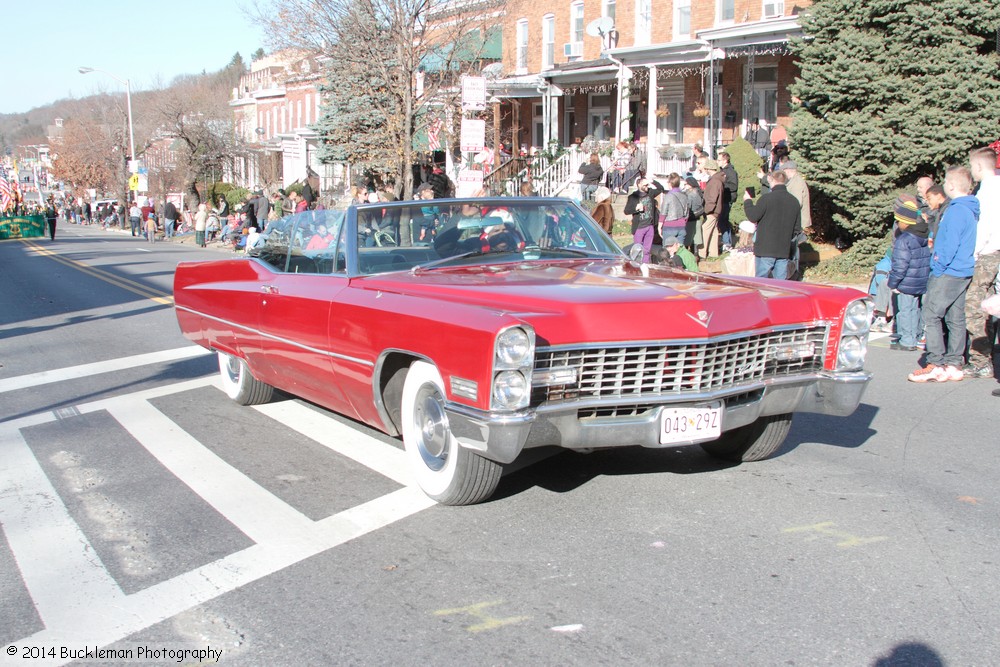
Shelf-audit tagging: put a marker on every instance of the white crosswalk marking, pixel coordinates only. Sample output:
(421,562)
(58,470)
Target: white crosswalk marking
(380,457)
(77,599)
(112,365)
(242,501)
(57,563)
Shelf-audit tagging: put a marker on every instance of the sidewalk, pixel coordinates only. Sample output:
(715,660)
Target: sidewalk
(184,239)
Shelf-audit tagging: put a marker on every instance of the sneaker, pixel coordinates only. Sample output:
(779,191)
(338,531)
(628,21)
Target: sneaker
(979,372)
(953,374)
(904,348)
(996,392)
(880,325)
(929,373)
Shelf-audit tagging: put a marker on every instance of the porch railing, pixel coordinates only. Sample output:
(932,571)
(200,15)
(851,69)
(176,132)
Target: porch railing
(560,177)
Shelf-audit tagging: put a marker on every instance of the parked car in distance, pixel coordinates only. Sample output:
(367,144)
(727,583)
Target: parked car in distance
(518,323)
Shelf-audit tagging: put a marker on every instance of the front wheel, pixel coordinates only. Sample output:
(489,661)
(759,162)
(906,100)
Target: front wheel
(445,471)
(753,442)
(239,384)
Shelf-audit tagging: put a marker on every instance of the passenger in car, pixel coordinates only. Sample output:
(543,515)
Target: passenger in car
(429,214)
(321,239)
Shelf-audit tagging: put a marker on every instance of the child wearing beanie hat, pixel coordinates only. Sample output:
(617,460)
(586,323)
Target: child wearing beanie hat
(911,267)
(905,210)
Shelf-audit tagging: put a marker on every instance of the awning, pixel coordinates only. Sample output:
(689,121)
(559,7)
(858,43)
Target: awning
(471,47)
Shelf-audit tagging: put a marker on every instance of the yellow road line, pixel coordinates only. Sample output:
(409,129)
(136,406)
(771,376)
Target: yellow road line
(145,292)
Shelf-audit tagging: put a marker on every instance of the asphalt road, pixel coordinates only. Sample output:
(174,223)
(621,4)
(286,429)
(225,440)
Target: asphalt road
(142,511)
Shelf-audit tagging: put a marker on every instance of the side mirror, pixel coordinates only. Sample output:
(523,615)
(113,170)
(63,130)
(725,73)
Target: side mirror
(635,253)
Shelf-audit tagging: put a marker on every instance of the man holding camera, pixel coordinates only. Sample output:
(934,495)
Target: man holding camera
(779,220)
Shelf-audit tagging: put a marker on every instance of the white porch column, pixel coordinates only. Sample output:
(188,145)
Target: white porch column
(554,115)
(652,141)
(624,92)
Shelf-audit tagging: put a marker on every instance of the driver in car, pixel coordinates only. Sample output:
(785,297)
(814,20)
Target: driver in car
(500,237)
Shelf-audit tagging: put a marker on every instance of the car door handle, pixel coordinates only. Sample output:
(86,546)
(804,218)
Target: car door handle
(269,289)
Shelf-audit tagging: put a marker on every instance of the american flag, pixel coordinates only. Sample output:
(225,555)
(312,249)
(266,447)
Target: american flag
(6,194)
(434,135)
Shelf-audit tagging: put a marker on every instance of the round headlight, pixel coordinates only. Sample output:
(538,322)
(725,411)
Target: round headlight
(514,347)
(510,390)
(852,352)
(857,317)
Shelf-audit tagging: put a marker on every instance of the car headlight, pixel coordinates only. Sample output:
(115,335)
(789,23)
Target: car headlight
(858,316)
(510,390)
(514,347)
(851,355)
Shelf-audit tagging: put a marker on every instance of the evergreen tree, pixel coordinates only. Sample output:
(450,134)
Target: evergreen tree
(354,119)
(891,90)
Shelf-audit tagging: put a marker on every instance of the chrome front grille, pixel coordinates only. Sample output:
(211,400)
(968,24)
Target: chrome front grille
(671,369)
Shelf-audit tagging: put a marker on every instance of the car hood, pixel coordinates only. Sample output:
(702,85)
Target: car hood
(568,302)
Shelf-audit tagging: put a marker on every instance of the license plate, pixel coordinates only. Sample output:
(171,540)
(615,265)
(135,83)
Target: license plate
(687,424)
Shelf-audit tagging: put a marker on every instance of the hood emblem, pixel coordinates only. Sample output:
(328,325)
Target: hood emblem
(703,318)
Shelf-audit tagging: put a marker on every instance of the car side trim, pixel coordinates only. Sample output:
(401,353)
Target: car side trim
(286,341)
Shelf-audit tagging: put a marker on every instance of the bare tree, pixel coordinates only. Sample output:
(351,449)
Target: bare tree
(194,112)
(376,52)
(94,146)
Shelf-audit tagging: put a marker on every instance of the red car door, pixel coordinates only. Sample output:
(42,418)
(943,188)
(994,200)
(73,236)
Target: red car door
(295,309)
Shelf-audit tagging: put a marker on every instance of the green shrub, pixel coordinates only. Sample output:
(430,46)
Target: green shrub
(747,163)
(236,197)
(216,190)
(856,263)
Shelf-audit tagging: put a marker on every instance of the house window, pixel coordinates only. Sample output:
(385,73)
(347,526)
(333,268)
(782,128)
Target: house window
(609,9)
(773,8)
(548,41)
(522,45)
(682,19)
(764,99)
(727,10)
(643,21)
(576,23)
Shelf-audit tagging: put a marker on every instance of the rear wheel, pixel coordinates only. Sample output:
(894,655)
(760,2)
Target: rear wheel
(445,471)
(239,384)
(753,442)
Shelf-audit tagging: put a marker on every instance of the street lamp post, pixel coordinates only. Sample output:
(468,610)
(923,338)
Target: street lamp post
(128,104)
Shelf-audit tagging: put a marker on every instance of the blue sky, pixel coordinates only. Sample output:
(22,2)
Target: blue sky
(147,42)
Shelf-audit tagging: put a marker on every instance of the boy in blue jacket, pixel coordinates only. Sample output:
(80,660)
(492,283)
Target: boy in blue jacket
(911,266)
(952,265)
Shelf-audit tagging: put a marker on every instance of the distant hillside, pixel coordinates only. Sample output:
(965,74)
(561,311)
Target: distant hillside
(19,129)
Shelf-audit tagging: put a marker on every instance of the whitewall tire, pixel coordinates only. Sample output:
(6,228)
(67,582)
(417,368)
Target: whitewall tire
(239,384)
(445,471)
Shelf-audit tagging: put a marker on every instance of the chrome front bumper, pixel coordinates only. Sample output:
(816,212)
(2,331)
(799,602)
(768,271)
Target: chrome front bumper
(502,437)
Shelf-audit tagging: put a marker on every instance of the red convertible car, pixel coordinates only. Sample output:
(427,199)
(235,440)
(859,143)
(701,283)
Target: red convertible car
(517,323)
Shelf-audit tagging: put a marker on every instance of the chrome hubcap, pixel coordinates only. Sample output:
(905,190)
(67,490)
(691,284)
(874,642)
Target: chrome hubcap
(233,369)
(431,424)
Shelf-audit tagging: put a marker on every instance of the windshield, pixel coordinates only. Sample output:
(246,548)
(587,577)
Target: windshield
(450,232)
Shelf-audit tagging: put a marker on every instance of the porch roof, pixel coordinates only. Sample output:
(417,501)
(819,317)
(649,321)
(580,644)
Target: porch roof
(767,31)
(689,52)
(585,71)
(714,43)
(516,86)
